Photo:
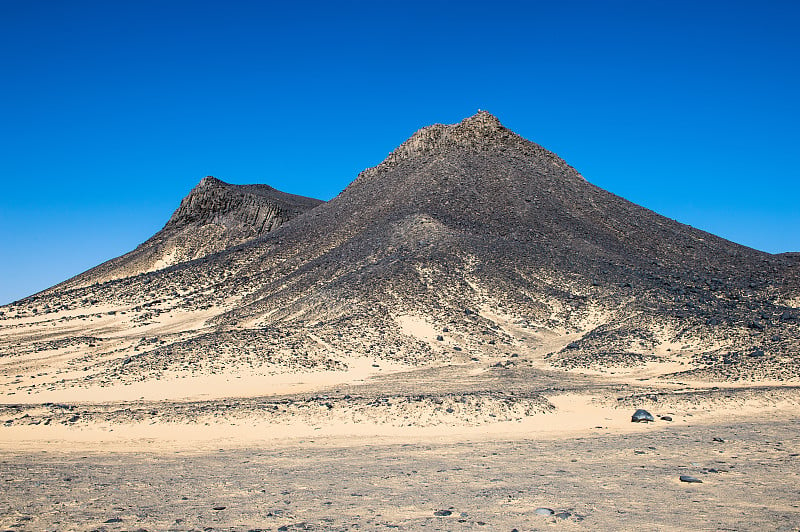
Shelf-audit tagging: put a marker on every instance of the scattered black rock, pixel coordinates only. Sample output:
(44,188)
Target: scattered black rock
(717,439)
(113,520)
(563,515)
(666,418)
(442,513)
(690,479)
(641,416)
(218,508)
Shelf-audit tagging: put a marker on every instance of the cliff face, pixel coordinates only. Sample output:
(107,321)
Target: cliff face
(214,216)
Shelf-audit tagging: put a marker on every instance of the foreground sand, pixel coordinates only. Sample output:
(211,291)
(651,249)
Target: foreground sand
(602,480)
(162,466)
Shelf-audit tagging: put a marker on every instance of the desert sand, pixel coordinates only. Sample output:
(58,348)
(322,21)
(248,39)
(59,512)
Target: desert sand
(492,444)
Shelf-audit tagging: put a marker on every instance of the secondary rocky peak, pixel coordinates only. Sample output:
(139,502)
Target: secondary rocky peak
(256,208)
(210,198)
(210,181)
(214,216)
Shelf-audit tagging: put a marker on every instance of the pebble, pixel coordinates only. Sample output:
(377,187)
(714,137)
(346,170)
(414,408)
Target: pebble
(218,508)
(442,513)
(691,479)
(642,415)
(666,418)
(544,511)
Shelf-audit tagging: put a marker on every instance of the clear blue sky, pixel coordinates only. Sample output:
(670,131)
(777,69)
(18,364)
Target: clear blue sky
(111,111)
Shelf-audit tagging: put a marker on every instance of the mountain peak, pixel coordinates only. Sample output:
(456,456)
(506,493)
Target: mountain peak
(480,132)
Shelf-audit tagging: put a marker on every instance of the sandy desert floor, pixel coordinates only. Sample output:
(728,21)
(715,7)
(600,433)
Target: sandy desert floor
(387,454)
(600,480)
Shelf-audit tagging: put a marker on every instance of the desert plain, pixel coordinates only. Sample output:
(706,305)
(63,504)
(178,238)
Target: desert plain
(479,445)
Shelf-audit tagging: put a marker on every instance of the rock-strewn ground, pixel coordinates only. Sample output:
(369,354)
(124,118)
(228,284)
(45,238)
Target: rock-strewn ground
(593,482)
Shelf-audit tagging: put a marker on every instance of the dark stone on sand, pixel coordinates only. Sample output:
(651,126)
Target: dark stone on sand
(544,511)
(218,508)
(563,515)
(113,520)
(642,415)
(717,439)
(690,479)
(666,418)
(442,513)
(440,338)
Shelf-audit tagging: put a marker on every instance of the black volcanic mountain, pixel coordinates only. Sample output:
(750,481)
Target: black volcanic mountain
(213,217)
(468,244)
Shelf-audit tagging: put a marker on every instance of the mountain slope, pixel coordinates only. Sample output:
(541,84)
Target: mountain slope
(467,245)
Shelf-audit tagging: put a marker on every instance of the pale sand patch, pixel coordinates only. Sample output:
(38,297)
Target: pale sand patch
(417,327)
(176,386)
